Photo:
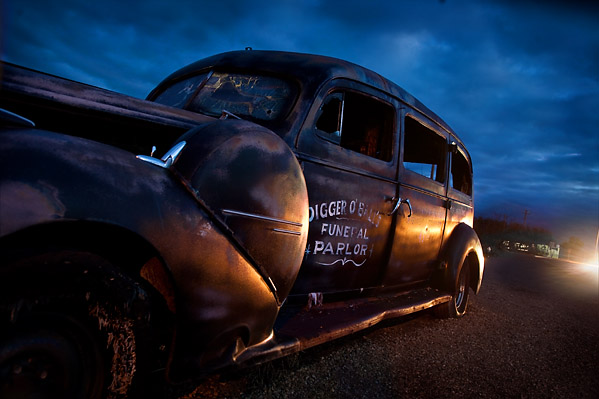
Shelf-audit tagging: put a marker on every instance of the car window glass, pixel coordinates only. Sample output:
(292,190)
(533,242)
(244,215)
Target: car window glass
(254,97)
(330,118)
(357,122)
(424,150)
(179,94)
(460,176)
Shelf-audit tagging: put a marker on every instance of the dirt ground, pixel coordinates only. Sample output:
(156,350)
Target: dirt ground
(532,332)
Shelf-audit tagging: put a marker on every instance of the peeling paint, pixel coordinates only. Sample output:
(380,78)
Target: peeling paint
(121,339)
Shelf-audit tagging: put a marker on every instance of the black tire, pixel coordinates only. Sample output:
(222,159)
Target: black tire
(71,326)
(457,305)
(50,355)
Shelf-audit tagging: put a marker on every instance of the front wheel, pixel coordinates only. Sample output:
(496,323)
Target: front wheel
(72,326)
(50,355)
(456,307)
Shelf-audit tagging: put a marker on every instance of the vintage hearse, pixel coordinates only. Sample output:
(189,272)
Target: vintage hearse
(256,204)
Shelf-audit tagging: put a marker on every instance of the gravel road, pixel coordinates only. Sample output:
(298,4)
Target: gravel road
(532,332)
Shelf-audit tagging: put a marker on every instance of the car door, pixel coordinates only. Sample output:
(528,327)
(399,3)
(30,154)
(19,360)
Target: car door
(348,150)
(420,222)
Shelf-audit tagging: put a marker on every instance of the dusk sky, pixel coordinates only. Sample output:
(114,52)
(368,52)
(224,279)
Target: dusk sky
(517,80)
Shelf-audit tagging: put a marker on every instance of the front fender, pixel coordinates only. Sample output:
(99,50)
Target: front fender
(51,178)
(250,179)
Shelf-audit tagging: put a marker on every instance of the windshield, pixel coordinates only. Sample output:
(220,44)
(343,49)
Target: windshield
(257,97)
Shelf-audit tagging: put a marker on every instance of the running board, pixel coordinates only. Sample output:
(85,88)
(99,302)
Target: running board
(299,328)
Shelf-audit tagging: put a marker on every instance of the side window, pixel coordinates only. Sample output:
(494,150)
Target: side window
(460,175)
(424,150)
(357,122)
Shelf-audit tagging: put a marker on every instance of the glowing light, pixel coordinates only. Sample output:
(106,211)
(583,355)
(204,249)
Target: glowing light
(589,266)
(593,262)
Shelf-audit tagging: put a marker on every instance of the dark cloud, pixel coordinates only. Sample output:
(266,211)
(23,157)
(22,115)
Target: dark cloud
(518,80)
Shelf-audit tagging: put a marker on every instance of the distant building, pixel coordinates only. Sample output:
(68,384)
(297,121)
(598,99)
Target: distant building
(550,250)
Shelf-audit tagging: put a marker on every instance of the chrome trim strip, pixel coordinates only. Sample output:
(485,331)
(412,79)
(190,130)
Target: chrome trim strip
(295,233)
(17,119)
(260,217)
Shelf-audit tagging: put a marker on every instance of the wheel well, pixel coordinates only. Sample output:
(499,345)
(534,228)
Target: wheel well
(116,244)
(119,310)
(463,244)
(136,267)
(473,264)
(124,249)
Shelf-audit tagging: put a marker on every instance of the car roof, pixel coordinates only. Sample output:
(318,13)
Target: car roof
(312,71)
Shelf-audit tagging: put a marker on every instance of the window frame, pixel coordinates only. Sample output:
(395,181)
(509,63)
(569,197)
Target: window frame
(453,192)
(416,179)
(429,126)
(355,88)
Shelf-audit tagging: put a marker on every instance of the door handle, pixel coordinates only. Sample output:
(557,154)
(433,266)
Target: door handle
(398,204)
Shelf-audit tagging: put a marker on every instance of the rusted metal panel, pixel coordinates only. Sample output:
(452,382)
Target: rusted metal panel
(38,87)
(113,187)
(265,207)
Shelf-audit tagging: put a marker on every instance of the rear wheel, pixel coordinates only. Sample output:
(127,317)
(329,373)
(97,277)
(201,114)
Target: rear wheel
(457,305)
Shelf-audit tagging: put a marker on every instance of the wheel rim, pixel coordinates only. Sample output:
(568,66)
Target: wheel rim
(461,290)
(50,360)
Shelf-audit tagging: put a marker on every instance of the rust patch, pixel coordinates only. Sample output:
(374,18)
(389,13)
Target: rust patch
(121,338)
(154,273)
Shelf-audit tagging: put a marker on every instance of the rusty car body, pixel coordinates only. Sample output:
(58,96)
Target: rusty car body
(292,199)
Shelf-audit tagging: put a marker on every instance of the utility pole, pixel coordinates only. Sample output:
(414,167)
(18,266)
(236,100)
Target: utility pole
(526,212)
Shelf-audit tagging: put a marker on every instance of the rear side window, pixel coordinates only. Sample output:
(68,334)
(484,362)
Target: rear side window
(357,122)
(424,150)
(460,176)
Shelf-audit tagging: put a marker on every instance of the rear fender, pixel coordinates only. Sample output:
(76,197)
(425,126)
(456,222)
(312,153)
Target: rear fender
(463,243)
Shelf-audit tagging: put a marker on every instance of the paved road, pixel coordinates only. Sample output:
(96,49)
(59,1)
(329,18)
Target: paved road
(532,332)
